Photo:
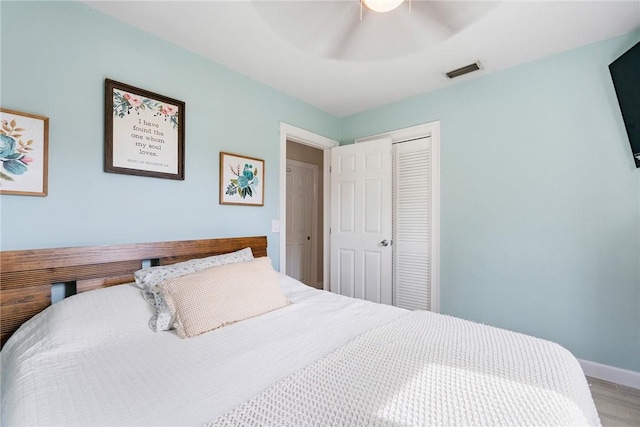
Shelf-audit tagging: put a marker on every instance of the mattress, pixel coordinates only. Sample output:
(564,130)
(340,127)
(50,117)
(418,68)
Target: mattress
(91,359)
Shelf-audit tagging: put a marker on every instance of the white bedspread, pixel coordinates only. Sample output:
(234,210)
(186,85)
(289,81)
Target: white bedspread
(428,369)
(91,360)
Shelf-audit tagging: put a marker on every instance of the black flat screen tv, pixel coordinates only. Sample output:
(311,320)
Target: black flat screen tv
(625,72)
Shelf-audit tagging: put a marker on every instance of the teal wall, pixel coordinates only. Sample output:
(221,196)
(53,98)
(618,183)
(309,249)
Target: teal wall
(540,201)
(55,57)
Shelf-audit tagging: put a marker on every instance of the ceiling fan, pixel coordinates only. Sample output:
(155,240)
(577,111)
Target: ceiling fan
(353,30)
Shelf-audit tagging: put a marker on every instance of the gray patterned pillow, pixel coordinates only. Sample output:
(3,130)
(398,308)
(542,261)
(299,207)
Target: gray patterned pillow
(148,279)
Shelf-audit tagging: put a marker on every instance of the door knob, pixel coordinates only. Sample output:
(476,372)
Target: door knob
(385,242)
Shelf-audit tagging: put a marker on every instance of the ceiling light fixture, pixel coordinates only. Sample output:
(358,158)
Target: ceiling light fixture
(381,5)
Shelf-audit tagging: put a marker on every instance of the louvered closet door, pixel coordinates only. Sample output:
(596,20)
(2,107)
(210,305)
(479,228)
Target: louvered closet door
(412,224)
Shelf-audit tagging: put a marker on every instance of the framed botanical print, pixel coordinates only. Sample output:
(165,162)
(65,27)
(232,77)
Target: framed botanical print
(241,180)
(24,153)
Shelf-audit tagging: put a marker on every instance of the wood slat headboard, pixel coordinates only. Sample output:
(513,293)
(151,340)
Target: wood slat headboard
(26,276)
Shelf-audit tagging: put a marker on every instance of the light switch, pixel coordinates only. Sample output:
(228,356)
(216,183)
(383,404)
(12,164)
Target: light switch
(275,226)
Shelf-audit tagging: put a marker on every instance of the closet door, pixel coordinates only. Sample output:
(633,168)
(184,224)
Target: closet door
(412,224)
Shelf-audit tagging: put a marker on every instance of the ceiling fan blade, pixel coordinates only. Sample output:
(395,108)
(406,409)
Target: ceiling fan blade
(334,30)
(426,21)
(342,24)
(392,34)
(317,27)
(455,15)
(340,36)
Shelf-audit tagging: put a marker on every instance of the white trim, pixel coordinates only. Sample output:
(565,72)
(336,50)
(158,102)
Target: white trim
(434,129)
(303,136)
(418,131)
(611,373)
(431,129)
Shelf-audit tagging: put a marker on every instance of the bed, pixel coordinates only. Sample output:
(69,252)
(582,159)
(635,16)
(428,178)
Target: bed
(319,359)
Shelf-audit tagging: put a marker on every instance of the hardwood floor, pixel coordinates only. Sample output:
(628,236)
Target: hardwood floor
(617,405)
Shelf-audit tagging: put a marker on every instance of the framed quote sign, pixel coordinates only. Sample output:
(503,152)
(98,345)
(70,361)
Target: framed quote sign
(144,132)
(24,148)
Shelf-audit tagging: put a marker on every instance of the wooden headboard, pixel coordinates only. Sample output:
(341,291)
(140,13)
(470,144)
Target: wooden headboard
(26,276)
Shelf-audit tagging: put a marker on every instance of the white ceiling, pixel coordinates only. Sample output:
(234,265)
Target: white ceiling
(322,53)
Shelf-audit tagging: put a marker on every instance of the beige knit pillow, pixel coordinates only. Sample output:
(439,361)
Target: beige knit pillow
(217,296)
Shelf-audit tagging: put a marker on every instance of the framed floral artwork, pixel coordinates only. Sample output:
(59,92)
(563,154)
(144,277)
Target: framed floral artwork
(241,180)
(24,153)
(144,132)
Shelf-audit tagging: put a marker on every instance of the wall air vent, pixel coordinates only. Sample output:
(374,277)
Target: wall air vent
(464,70)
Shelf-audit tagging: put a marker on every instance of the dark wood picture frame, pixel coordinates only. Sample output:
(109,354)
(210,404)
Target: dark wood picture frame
(241,180)
(143,132)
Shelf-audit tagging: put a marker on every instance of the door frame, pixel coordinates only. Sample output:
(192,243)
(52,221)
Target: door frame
(313,267)
(305,137)
(430,129)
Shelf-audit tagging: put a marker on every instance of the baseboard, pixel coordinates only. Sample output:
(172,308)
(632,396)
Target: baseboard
(611,373)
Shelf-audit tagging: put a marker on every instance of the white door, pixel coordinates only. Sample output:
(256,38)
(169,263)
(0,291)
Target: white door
(361,209)
(301,219)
